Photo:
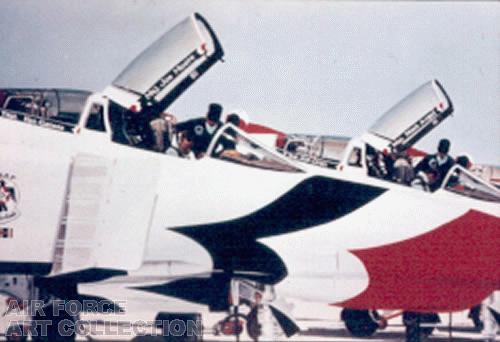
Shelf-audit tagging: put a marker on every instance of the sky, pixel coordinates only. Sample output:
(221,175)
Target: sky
(317,67)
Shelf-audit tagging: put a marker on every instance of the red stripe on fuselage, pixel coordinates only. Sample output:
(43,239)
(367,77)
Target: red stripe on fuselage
(450,268)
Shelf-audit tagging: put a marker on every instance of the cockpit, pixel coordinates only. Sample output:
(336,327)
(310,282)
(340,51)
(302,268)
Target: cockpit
(462,182)
(233,145)
(58,109)
(229,143)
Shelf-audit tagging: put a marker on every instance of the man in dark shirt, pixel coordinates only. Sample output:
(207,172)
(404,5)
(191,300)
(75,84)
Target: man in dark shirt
(203,129)
(436,166)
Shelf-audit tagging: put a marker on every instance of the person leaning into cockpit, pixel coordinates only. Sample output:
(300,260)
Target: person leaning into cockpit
(436,166)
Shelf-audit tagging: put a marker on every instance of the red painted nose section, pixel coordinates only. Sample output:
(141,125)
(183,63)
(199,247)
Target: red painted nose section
(451,268)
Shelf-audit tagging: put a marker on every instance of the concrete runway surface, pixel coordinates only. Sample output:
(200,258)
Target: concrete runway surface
(334,333)
(317,321)
(392,333)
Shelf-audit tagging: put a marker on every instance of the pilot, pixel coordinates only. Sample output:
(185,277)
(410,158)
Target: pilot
(436,166)
(184,147)
(402,171)
(203,129)
(162,127)
(234,119)
(376,163)
(463,161)
(140,131)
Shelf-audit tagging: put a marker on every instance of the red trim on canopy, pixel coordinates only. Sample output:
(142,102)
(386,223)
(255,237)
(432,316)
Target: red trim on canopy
(254,128)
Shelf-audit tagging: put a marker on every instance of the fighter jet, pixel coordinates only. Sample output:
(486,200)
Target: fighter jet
(95,201)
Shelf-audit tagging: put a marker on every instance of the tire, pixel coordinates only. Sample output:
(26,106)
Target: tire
(359,323)
(427,331)
(432,318)
(413,321)
(413,333)
(361,328)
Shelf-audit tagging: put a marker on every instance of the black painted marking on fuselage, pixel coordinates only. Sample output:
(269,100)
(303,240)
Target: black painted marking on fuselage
(317,200)
(32,268)
(210,290)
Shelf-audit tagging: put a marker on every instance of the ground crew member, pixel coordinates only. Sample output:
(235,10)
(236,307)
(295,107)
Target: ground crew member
(436,166)
(490,314)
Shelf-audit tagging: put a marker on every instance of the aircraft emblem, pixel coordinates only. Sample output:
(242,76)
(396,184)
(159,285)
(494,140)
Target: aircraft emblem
(198,130)
(9,198)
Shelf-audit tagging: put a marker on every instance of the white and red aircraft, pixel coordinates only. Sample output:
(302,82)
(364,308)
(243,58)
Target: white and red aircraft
(91,202)
(328,150)
(398,130)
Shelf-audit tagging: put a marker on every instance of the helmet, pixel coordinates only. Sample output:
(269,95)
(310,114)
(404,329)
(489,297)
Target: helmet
(464,160)
(444,146)
(234,119)
(241,114)
(214,112)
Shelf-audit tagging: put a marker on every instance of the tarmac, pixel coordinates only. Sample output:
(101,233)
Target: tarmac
(318,322)
(338,333)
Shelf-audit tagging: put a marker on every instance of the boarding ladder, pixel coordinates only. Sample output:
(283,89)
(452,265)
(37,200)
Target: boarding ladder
(88,181)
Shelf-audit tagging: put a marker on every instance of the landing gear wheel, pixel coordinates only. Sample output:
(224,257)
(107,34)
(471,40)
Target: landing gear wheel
(361,328)
(16,333)
(413,321)
(429,318)
(359,323)
(427,331)
(54,328)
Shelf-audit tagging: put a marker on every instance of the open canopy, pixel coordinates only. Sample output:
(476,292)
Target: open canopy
(164,70)
(411,118)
